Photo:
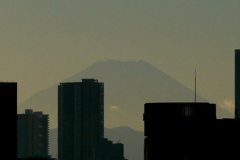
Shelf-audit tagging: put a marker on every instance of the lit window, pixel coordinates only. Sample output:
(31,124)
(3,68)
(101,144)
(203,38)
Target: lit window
(187,111)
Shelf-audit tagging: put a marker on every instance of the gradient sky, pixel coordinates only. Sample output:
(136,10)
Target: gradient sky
(45,41)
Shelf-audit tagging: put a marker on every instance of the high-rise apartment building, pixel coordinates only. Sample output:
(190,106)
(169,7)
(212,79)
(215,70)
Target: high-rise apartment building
(237,83)
(80,119)
(32,133)
(8,103)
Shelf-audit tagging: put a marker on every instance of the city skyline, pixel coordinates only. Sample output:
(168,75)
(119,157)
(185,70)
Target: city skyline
(159,43)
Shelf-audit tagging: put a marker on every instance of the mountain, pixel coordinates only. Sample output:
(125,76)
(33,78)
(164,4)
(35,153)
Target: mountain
(132,140)
(127,86)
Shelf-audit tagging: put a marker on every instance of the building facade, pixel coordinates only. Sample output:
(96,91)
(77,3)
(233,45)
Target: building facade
(32,134)
(80,119)
(188,131)
(8,101)
(110,151)
(237,83)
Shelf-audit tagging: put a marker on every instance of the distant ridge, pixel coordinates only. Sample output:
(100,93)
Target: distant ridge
(128,85)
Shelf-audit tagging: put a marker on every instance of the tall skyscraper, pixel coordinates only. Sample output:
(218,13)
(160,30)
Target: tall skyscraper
(237,83)
(80,119)
(8,103)
(32,130)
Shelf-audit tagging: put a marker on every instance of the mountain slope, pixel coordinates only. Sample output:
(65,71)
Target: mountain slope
(127,86)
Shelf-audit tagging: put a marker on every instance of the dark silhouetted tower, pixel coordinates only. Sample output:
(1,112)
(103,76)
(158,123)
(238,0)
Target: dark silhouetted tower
(32,134)
(237,83)
(8,101)
(188,131)
(80,119)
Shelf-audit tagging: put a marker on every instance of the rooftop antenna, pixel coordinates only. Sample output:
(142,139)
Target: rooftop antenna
(118,141)
(195,86)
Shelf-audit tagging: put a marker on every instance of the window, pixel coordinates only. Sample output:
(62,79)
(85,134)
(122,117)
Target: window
(187,111)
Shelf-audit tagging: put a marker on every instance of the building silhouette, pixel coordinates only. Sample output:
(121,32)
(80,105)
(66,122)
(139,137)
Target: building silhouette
(80,119)
(109,151)
(237,83)
(32,133)
(188,131)
(8,101)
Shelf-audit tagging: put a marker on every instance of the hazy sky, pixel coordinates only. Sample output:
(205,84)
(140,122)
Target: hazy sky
(45,41)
